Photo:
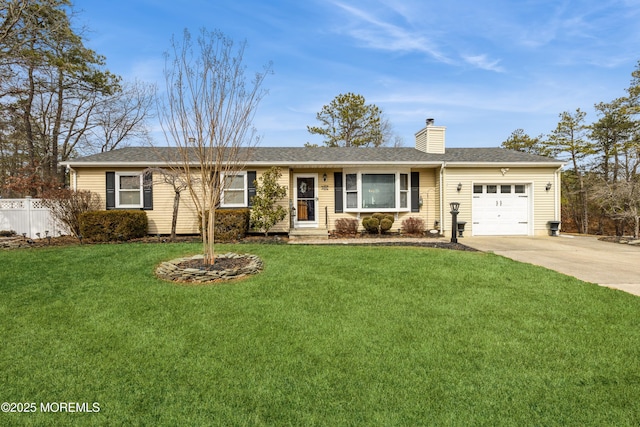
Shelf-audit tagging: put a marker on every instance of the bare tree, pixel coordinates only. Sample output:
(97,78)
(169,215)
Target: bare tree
(620,201)
(121,117)
(207,113)
(174,178)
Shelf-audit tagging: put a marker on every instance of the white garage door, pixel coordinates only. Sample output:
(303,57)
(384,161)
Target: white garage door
(500,209)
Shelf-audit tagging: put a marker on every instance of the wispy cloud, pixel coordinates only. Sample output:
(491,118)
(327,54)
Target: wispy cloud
(484,63)
(376,33)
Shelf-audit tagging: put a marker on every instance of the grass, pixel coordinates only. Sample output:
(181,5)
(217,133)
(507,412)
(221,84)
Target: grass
(323,336)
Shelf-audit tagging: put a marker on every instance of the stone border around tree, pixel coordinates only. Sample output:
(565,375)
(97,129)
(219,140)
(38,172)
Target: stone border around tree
(171,270)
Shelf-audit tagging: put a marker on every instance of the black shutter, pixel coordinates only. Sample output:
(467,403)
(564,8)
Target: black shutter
(147,191)
(415,191)
(337,182)
(251,186)
(111,190)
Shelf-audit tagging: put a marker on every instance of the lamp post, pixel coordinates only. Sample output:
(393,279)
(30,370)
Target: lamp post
(455,208)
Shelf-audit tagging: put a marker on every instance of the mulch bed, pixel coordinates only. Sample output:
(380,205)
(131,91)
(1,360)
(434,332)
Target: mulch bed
(381,240)
(437,245)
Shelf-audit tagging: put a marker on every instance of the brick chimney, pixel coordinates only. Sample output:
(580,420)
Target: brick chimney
(431,138)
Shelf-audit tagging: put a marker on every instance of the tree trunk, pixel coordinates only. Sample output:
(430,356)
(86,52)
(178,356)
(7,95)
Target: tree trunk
(28,129)
(174,218)
(209,254)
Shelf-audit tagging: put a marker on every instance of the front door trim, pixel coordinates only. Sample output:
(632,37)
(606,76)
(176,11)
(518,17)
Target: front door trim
(310,218)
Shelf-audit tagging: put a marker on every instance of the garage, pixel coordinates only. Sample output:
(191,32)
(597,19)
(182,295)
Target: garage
(500,210)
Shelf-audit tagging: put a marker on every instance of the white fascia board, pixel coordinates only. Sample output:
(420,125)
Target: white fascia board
(344,164)
(504,164)
(71,163)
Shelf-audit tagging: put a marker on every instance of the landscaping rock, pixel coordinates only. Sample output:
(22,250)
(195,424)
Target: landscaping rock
(228,266)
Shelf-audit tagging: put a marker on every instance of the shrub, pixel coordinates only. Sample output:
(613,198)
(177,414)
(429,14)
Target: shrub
(266,212)
(66,206)
(371,224)
(7,233)
(378,223)
(231,224)
(413,226)
(346,226)
(385,225)
(112,226)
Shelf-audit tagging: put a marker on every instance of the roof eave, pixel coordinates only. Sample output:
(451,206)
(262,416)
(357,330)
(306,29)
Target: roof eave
(309,164)
(506,164)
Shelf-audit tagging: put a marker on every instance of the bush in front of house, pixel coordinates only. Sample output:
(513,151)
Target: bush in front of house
(231,224)
(346,227)
(7,233)
(371,224)
(67,206)
(113,226)
(378,223)
(414,226)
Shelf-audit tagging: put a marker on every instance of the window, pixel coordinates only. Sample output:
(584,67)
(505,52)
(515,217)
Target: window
(404,190)
(520,188)
(505,189)
(352,191)
(234,190)
(375,192)
(477,189)
(378,191)
(128,190)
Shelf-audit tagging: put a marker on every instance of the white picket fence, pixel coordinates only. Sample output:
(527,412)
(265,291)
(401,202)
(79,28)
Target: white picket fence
(29,217)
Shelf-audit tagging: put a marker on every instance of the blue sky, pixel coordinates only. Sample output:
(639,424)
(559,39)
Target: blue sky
(480,68)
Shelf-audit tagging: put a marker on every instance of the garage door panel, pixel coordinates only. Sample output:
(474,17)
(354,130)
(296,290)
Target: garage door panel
(501,213)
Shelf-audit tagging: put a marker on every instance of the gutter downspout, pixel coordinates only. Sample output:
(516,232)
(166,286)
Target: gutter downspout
(442,197)
(557,195)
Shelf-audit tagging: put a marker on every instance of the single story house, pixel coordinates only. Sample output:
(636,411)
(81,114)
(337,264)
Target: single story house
(501,192)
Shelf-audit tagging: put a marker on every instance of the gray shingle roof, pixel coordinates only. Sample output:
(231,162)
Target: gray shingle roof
(323,156)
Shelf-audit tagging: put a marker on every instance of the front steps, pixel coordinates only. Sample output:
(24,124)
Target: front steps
(302,234)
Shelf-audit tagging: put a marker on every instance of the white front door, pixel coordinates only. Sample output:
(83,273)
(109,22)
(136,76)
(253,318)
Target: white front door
(500,210)
(306,200)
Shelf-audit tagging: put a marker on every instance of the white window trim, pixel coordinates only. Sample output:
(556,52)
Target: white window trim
(245,191)
(359,174)
(141,190)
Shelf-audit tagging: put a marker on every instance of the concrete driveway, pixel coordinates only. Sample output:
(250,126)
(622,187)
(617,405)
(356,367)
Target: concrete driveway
(584,257)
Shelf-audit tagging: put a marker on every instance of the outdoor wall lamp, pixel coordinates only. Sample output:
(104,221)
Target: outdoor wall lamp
(459,187)
(548,187)
(324,177)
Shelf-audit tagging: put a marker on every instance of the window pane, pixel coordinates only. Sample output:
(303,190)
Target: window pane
(235,182)
(129,182)
(233,197)
(477,189)
(352,200)
(404,182)
(403,200)
(504,189)
(352,182)
(130,198)
(492,189)
(378,191)
(520,189)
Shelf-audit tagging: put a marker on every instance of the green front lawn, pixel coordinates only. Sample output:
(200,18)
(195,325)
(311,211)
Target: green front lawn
(333,336)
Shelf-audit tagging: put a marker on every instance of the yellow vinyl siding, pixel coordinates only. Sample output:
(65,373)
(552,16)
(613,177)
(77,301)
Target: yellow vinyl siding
(542,201)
